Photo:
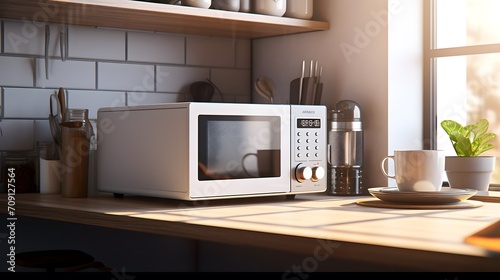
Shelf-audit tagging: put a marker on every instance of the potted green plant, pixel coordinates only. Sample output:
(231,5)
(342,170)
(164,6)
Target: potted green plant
(469,169)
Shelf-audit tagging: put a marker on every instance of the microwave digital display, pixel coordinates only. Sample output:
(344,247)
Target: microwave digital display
(308,123)
(238,147)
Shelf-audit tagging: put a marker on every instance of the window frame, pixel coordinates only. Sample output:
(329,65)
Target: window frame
(431,54)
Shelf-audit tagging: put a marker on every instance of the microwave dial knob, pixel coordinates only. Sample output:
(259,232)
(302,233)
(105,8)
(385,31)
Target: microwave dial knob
(318,173)
(303,173)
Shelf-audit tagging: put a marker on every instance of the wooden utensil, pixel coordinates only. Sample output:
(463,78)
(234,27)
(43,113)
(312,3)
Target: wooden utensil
(62,102)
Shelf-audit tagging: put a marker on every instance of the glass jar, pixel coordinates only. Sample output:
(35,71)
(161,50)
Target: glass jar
(19,172)
(76,133)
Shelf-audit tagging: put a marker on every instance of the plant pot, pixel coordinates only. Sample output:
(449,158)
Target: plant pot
(469,172)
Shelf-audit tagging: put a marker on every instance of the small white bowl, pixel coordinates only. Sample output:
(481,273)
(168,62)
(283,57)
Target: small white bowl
(302,9)
(228,5)
(197,3)
(269,7)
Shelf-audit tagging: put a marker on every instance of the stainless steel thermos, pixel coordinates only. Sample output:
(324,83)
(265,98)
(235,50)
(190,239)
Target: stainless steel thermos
(345,149)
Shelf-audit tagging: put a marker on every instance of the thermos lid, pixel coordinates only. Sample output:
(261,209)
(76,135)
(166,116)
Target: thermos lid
(346,111)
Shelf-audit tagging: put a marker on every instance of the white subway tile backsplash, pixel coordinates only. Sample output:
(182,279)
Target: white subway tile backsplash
(142,98)
(16,71)
(178,79)
(210,51)
(26,103)
(42,131)
(155,47)
(232,82)
(93,100)
(107,68)
(122,76)
(16,135)
(27,38)
(96,43)
(67,74)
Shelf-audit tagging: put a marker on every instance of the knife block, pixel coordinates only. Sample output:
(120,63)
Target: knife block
(311,91)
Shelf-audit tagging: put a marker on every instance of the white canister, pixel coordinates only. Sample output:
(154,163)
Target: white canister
(302,9)
(245,6)
(197,3)
(50,176)
(269,7)
(228,5)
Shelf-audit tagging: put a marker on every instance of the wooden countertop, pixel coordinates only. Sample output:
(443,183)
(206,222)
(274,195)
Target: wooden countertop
(410,239)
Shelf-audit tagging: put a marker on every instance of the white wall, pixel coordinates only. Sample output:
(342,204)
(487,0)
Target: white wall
(364,60)
(406,102)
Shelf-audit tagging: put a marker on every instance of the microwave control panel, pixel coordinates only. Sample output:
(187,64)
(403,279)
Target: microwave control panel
(308,147)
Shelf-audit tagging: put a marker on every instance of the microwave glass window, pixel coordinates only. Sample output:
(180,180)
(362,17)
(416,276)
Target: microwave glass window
(238,147)
(308,123)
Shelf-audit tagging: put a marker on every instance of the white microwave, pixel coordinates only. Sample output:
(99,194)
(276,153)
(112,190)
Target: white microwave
(200,151)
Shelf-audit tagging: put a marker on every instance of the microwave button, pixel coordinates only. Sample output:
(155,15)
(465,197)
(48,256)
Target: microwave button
(303,173)
(318,173)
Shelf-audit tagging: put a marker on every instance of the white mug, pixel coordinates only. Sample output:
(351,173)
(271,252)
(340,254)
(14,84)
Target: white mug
(267,162)
(417,170)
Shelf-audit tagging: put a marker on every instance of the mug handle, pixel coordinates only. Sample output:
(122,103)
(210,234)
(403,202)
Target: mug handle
(243,163)
(383,168)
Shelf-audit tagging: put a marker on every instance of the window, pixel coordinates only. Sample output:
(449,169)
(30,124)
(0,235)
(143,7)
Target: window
(462,65)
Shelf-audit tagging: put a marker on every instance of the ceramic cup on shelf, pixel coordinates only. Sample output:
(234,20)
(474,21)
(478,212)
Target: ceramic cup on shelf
(245,6)
(302,9)
(269,7)
(227,5)
(197,3)
(417,170)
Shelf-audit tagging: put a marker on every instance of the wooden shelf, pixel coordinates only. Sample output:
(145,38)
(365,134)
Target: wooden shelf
(138,15)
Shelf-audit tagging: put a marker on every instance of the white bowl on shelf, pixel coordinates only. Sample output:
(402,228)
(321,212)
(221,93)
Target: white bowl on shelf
(227,5)
(269,7)
(302,9)
(197,3)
